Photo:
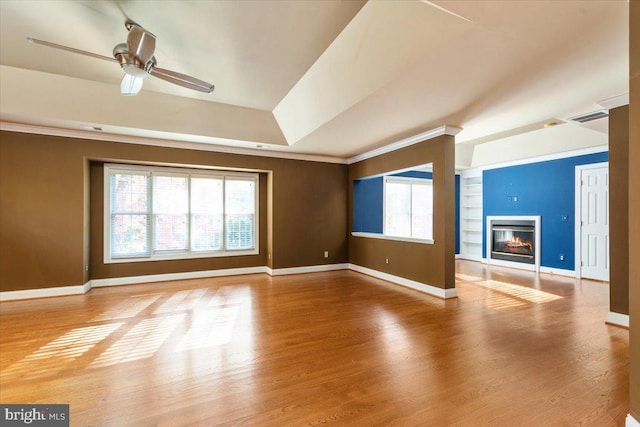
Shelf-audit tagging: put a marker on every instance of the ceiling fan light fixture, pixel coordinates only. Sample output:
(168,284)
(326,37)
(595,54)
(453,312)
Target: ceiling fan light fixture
(130,84)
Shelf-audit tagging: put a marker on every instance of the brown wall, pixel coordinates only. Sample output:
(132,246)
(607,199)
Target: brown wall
(43,210)
(634,207)
(430,264)
(619,209)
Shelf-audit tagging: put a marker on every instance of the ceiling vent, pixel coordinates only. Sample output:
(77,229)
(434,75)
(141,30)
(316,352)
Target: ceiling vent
(601,114)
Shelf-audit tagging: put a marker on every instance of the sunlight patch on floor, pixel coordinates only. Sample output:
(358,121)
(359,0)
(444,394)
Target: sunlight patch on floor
(520,292)
(129,308)
(140,342)
(209,328)
(181,301)
(467,278)
(52,357)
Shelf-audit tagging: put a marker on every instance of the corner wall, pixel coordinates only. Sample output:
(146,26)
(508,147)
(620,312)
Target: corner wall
(434,264)
(619,210)
(634,208)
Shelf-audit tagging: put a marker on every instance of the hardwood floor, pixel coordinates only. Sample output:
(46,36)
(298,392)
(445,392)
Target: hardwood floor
(336,347)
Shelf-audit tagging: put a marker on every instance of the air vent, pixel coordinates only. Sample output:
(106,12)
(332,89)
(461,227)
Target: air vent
(601,114)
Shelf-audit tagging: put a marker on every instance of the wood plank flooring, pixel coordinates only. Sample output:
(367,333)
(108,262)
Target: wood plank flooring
(335,348)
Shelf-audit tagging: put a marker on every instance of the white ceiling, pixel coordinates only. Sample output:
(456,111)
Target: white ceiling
(329,78)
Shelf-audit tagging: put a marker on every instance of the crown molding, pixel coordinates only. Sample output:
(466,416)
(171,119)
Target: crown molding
(201,146)
(614,102)
(544,158)
(186,145)
(424,136)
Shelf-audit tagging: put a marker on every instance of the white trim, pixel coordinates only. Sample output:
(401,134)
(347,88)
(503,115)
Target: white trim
(489,242)
(45,292)
(186,145)
(614,102)
(153,278)
(132,280)
(473,258)
(406,142)
(308,269)
(546,158)
(577,249)
(557,271)
(387,237)
(188,174)
(631,422)
(618,319)
(511,264)
(418,286)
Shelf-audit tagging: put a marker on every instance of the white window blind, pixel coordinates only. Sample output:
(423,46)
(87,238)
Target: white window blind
(156,213)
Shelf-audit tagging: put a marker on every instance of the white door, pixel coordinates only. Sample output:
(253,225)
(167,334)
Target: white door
(594,223)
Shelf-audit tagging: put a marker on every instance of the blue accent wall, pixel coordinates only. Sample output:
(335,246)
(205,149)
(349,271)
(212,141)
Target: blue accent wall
(546,189)
(368,199)
(367,205)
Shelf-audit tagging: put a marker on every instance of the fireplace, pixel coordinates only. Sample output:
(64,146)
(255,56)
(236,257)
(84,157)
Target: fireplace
(514,241)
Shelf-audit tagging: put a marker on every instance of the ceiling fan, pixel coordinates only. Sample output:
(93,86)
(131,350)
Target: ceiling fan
(137,61)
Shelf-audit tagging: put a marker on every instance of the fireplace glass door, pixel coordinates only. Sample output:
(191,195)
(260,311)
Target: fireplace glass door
(513,243)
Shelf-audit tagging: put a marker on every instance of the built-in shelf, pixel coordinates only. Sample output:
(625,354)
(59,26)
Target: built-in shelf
(471,214)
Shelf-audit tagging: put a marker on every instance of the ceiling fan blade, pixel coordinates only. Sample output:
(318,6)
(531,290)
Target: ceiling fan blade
(71,49)
(141,43)
(182,80)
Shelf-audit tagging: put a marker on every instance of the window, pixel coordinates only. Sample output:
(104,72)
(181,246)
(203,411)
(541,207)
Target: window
(408,207)
(155,213)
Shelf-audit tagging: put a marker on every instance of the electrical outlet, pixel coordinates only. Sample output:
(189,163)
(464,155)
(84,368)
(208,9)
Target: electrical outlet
(326,254)
(386,260)
(515,199)
(561,257)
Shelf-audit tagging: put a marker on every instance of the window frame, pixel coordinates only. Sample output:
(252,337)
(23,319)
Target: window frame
(189,253)
(411,181)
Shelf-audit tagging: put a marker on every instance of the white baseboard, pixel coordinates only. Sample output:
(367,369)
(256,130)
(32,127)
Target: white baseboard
(422,287)
(558,271)
(131,280)
(469,257)
(631,422)
(307,269)
(45,292)
(511,264)
(618,319)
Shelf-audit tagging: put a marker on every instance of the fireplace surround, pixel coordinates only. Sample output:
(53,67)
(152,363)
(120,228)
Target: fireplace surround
(513,241)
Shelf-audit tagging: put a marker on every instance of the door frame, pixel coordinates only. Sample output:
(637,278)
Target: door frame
(578,211)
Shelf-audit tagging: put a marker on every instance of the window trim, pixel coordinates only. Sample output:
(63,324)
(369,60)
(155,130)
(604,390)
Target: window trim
(384,235)
(166,255)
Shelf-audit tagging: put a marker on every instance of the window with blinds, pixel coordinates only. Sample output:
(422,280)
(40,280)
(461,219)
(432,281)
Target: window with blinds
(408,207)
(154,213)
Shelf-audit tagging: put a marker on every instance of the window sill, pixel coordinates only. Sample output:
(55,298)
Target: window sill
(181,256)
(385,237)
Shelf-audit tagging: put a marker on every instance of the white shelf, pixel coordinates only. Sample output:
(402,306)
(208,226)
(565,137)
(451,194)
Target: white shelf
(471,214)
